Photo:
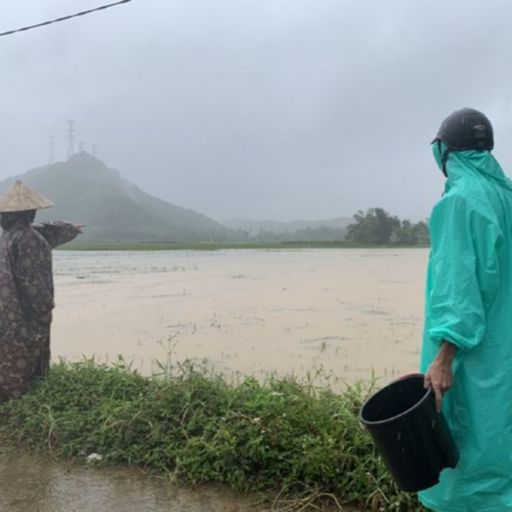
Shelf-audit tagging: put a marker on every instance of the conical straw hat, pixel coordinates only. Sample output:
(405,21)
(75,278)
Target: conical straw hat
(19,197)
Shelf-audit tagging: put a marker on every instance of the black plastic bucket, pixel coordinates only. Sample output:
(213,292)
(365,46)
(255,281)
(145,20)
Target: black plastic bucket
(412,437)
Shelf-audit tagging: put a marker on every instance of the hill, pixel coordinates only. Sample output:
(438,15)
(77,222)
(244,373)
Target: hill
(84,190)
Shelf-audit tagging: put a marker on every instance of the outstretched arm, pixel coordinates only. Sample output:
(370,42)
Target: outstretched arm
(58,233)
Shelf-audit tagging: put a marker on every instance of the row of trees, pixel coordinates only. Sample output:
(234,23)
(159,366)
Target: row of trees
(373,227)
(377,226)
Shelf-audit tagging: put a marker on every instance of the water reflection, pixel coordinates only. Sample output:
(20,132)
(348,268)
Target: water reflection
(30,483)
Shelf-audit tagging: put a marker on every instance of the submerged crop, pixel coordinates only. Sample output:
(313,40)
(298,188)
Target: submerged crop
(303,444)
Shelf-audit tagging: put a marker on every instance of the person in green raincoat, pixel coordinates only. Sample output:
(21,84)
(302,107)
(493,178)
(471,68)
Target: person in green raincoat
(467,344)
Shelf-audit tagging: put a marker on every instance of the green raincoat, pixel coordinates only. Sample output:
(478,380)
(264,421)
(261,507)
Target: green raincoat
(469,303)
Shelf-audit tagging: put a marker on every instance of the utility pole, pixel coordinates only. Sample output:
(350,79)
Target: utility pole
(94,150)
(52,151)
(71,138)
(81,146)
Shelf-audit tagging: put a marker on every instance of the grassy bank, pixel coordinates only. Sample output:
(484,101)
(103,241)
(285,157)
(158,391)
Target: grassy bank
(214,246)
(297,443)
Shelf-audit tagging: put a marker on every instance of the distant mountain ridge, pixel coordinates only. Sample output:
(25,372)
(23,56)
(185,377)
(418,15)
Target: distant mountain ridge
(84,190)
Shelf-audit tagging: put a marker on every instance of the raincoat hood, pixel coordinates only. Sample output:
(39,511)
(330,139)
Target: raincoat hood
(470,164)
(438,150)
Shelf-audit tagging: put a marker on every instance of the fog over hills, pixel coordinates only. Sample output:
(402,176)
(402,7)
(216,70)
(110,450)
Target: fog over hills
(273,226)
(84,190)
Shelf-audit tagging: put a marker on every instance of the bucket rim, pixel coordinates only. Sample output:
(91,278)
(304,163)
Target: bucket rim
(392,419)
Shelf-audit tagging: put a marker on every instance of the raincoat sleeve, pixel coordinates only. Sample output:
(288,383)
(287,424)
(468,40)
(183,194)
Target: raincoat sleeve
(464,272)
(31,268)
(57,233)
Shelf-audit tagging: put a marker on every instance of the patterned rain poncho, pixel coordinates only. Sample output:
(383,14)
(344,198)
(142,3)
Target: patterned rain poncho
(26,302)
(469,303)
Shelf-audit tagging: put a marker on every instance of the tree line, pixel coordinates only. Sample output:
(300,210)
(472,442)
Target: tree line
(374,227)
(377,226)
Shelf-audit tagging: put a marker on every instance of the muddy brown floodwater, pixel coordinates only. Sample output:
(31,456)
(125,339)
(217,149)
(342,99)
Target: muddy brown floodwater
(350,312)
(33,484)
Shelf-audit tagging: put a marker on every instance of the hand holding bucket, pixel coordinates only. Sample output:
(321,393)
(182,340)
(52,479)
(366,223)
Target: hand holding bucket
(412,437)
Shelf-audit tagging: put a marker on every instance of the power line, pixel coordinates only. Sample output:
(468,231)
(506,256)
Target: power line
(63,18)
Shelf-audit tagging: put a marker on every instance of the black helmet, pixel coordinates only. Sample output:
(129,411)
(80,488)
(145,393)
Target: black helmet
(466,129)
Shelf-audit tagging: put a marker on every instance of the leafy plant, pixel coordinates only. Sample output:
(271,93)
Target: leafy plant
(302,443)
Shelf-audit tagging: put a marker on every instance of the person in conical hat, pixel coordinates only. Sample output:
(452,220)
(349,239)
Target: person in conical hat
(26,287)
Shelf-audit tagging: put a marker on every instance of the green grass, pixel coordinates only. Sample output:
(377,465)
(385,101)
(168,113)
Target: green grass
(213,246)
(296,443)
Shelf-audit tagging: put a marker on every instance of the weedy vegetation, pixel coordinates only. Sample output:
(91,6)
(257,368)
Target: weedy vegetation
(299,444)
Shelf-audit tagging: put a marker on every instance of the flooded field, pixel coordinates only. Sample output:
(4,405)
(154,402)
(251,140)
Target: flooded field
(349,312)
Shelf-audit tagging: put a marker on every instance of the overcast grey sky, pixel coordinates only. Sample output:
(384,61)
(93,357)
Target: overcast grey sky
(281,109)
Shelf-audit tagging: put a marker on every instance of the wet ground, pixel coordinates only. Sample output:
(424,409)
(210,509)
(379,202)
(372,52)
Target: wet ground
(29,483)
